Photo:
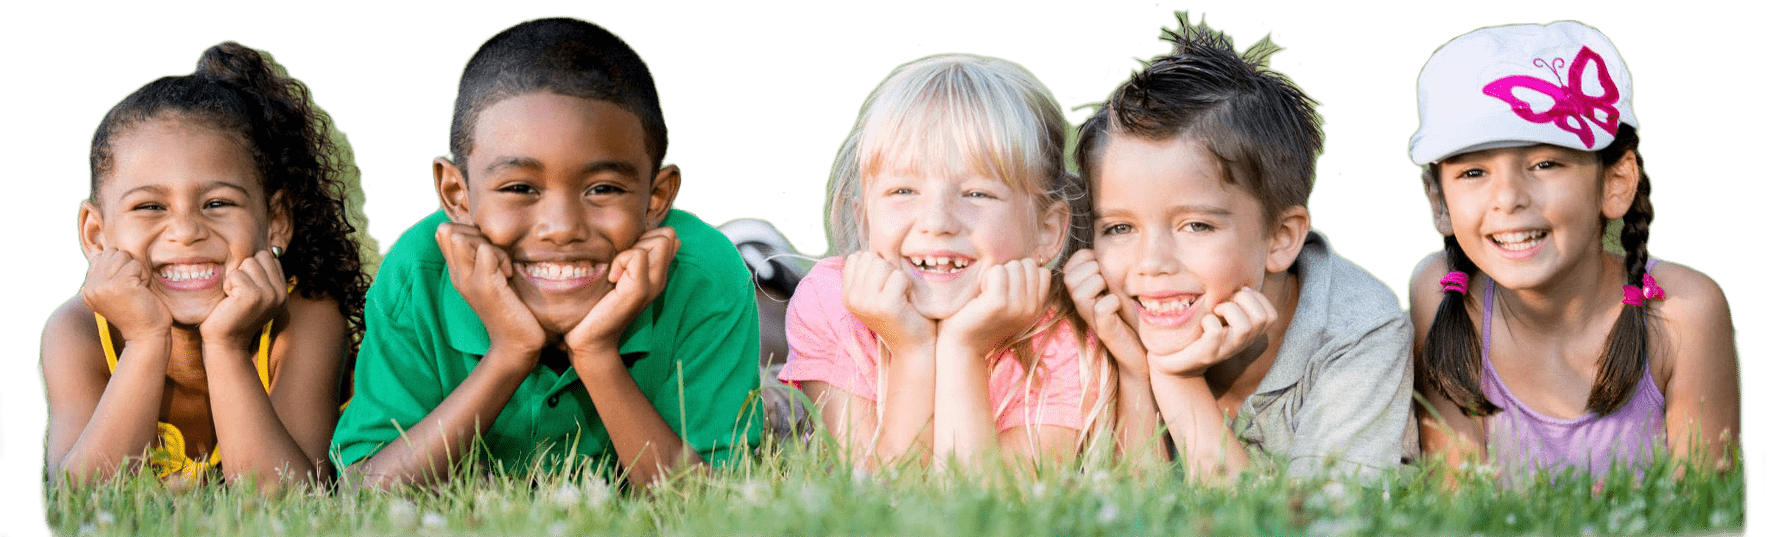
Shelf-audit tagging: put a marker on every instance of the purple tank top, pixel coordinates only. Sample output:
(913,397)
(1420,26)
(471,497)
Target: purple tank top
(1521,440)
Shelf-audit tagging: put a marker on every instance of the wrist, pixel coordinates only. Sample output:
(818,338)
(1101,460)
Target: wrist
(510,359)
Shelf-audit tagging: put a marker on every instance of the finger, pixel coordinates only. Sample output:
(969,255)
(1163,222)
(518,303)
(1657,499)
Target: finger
(620,264)
(1262,303)
(1079,259)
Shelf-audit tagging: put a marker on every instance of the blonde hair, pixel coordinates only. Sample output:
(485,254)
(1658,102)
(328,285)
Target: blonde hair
(960,114)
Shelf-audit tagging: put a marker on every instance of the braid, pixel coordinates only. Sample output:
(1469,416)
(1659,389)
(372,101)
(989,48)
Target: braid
(1450,358)
(1625,355)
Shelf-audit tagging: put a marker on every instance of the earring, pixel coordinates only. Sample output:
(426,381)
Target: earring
(277,251)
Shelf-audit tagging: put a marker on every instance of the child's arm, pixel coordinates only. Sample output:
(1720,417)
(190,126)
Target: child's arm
(98,421)
(876,292)
(263,437)
(1443,431)
(645,444)
(1137,412)
(1012,297)
(1193,415)
(425,453)
(1702,402)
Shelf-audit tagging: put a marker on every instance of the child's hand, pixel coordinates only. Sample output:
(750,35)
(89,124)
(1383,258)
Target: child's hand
(1102,312)
(878,293)
(639,274)
(482,273)
(1248,317)
(253,290)
(1012,297)
(117,287)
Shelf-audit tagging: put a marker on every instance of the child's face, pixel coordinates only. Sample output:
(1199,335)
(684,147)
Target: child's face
(562,184)
(1173,239)
(944,231)
(186,201)
(1527,214)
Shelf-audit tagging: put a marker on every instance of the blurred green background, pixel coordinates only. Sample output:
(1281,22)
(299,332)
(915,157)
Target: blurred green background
(758,96)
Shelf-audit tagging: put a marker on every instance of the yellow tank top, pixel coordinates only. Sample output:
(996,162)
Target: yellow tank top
(168,457)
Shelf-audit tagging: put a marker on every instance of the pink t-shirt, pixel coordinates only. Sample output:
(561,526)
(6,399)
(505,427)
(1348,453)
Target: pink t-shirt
(828,344)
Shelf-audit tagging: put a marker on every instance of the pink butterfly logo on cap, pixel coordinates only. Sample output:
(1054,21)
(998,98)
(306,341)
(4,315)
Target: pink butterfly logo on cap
(1571,107)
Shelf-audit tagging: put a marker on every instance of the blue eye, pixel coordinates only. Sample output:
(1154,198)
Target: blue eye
(977,194)
(1197,227)
(1117,229)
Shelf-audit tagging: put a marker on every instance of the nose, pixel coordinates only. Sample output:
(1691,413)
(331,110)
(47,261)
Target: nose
(936,215)
(1157,256)
(561,219)
(186,227)
(1509,191)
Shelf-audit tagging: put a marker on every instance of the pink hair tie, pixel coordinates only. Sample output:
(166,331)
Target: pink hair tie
(1637,296)
(1455,281)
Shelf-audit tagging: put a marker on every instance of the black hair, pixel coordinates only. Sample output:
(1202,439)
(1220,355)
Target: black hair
(570,57)
(1260,126)
(242,93)
(1450,361)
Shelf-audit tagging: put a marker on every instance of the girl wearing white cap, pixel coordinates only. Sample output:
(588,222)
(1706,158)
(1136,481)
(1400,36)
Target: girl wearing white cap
(1540,349)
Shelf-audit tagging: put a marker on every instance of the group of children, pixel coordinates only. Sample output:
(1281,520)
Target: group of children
(1170,301)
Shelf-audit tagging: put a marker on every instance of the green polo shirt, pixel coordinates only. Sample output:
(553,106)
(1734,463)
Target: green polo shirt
(693,352)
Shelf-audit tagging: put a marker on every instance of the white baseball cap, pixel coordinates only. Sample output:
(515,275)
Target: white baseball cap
(1510,86)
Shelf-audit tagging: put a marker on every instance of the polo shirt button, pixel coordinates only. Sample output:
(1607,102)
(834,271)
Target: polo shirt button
(554,400)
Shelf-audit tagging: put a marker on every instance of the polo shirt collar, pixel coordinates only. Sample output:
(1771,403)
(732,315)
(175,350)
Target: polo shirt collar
(1305,331)
(468,334)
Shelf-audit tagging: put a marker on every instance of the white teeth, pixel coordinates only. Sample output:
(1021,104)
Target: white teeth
(1518,240)
(1169,305)
(939,264)
(558,271)
(182,273)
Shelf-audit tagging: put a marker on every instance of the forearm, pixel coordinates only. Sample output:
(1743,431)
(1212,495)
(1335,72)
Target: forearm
(907,405)
(966,428)
(250,437)
(645,444)
(425,453)
(1137,418)
(1197,426)
(124,422)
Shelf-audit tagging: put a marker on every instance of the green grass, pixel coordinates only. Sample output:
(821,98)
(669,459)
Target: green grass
(811,491)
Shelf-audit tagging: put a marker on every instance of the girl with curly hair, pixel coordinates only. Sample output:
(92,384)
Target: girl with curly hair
(224,288)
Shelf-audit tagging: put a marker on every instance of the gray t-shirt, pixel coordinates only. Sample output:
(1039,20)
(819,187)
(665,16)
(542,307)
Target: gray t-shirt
(1338,397)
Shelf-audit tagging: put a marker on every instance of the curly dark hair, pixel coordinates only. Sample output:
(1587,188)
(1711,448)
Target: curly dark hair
(239,91)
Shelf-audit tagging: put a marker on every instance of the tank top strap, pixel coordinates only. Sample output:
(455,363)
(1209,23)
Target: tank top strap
(1485,322)
(261,359)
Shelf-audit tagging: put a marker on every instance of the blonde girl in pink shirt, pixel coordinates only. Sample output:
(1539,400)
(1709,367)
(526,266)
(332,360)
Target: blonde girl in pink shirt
(940,332)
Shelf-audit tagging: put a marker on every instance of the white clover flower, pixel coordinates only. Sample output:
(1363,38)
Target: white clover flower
(401,513)
(566,496)
(1108,513)
(432,520)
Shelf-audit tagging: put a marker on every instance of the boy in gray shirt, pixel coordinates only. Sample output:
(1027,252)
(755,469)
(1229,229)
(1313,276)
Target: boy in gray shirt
(1230,321)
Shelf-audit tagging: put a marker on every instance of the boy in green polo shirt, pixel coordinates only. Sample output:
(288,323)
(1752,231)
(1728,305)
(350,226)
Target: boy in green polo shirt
(524,314)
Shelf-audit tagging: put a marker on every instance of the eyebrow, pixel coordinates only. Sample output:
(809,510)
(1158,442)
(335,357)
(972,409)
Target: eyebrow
(1211,210)
(160,190)
(601,166)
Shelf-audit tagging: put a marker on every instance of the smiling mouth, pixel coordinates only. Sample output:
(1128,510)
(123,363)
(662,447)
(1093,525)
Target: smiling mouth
(561,275)
(189,276)
(940,264)
(1518,241)
(1171,305)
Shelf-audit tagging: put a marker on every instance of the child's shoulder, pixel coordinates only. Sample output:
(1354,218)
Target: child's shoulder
(1692,300)
(705,254)
(418,244)
(73,319)
(1348,289)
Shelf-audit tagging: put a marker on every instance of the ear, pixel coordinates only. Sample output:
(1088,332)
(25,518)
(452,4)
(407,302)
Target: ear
(664,192)
(1052,232)
(1620,183)
(1287,238)
(92,229)
(1438,207)
(281,227)
(452,186)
